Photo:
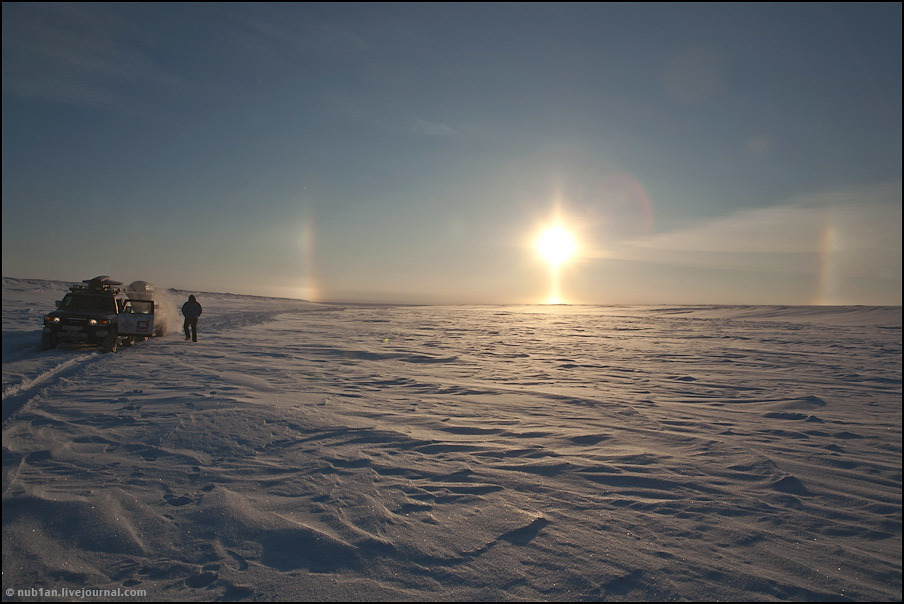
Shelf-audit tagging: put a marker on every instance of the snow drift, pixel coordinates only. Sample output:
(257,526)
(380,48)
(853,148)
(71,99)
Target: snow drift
(317,452)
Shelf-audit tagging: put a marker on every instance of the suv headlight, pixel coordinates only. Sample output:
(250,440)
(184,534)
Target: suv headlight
(48,320)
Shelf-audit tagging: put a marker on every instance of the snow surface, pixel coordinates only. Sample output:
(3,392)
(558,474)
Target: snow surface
(304,451)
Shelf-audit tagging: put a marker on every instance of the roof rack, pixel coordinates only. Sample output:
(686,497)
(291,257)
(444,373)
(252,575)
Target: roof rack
(101,284)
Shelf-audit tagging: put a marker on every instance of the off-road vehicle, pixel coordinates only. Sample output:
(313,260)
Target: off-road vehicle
(97,313)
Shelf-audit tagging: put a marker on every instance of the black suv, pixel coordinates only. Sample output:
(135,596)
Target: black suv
(97,313)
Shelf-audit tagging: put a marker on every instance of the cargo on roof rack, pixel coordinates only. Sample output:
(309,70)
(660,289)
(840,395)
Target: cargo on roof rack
(101,283)
(140,290)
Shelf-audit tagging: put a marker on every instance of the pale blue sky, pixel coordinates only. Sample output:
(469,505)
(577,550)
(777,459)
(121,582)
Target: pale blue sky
(701,153)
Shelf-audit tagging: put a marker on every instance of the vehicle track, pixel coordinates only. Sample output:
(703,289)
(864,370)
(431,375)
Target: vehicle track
(16,395)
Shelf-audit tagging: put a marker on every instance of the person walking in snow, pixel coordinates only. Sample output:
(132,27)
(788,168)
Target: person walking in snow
(191,310)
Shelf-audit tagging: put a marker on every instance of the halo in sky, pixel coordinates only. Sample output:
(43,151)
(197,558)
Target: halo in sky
(556,244)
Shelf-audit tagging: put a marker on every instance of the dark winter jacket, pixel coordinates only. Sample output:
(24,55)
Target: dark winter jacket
(191,309)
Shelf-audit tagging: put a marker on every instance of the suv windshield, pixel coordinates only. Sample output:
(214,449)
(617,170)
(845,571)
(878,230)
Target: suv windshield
(89,303)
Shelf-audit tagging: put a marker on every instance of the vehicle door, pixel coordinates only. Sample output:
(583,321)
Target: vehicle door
(137,319)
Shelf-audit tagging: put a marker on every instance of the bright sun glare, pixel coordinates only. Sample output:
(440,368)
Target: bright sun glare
(556,245)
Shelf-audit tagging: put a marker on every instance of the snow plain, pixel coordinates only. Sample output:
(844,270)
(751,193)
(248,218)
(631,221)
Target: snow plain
(305,451)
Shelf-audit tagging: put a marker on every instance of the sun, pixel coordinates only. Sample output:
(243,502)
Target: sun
(556,244)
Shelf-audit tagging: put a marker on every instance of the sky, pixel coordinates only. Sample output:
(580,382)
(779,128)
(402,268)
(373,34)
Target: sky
(414,153)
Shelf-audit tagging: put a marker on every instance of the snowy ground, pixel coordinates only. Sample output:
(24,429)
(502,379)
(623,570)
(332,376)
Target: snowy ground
(314,452)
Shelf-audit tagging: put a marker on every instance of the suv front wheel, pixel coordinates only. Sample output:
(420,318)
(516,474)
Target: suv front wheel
(47,341)
(110,343)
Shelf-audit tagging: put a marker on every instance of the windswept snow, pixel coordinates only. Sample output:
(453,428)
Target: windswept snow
(301,451)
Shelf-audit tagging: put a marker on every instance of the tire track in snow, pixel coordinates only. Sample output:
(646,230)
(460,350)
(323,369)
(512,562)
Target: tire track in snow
(16,395)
